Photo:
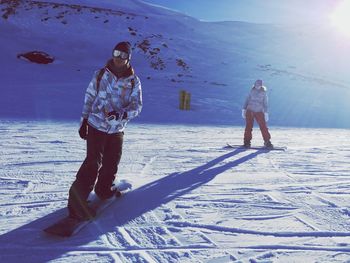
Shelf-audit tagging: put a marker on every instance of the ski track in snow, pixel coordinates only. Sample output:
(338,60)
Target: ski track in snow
(192,199)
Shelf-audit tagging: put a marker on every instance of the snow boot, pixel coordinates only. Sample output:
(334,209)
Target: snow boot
(268,144)
(246,144)
(83,213)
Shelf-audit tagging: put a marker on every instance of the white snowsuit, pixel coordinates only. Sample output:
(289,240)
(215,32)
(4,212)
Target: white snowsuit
(256,100)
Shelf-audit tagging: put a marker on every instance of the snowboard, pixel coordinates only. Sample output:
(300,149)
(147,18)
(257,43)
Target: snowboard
(274,148)
(68,226)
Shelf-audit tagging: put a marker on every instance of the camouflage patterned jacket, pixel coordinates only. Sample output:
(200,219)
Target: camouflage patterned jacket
(121,95)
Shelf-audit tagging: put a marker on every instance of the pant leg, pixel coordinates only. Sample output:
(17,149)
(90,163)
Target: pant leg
(111,158)
(87,174)
(260,118)
(249,122)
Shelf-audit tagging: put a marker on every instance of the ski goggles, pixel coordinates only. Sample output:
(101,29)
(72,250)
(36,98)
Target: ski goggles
(120,54)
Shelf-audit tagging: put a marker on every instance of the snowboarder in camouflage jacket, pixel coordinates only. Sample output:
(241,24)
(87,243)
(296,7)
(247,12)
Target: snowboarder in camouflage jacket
(112,98)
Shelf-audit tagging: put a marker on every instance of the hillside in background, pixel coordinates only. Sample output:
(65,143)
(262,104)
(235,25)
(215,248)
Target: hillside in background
(194,199)
(304,67)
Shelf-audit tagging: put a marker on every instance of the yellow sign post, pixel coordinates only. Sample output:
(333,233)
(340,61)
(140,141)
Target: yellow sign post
(185,100)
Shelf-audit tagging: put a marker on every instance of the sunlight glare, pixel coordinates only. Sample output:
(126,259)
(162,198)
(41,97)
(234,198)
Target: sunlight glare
(340,17)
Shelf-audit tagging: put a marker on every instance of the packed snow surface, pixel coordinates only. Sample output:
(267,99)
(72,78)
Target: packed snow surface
(193,199)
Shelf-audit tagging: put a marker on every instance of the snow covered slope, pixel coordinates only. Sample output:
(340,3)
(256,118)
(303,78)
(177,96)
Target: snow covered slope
(193,199)
(304,67)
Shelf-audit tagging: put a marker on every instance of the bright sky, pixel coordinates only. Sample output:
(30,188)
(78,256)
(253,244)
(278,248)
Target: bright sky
(256,11)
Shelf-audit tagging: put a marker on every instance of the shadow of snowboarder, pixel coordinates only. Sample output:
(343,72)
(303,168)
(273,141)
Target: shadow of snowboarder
(35,246)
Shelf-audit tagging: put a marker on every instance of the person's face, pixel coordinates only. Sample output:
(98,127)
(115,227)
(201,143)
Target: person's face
(119,62)
(120,58)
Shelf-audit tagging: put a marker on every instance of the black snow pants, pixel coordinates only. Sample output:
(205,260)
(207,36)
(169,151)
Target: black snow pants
(98,170)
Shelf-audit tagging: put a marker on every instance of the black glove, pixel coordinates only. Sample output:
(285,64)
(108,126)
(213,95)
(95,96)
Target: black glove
(125,115)
(83,131)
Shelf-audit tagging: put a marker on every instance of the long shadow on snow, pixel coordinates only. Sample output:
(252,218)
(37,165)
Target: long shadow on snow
(31,244)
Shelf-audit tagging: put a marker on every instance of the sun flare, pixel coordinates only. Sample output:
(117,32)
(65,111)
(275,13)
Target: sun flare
(340,17)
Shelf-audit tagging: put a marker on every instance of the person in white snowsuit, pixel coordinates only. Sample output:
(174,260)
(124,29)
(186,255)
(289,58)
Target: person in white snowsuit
(256,107)
(112,98)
